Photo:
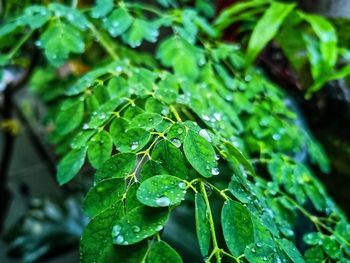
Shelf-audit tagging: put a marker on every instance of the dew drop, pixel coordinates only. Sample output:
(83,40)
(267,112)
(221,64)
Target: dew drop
(163,201)
(85,126)
(116,230)
(276,136)
(136,229)
(264,258)
(203,133)
(180,130)
(215,171)
(119,239)
(134,145)
(176,142)
(217,157)
(248,78)
(253,250)
(182,185)
(102,116)
(206,117)
(38,43)
(258,244)
(118,68)
(159,227)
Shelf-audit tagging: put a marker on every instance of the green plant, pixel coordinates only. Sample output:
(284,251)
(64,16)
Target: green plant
(185,125)
(307,40)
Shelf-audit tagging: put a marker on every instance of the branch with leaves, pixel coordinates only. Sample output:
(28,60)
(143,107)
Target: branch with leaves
(185,125)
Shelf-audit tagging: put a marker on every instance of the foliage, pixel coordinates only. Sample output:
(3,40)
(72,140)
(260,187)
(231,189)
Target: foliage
(185,125)
(307,40)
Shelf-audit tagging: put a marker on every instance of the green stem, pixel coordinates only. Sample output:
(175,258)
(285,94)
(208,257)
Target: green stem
(103,42)
(19,44)
(211,223)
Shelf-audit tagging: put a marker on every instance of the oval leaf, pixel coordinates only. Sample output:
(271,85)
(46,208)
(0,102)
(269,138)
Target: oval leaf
(237,226)
(200,153)
(162,190)
(99,148)
(161,252)
(138,224)
(202,225)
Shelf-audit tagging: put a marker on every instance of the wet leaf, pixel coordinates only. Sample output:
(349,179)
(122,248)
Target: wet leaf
(99,148)
(202,225)
(161,190)
(161,252)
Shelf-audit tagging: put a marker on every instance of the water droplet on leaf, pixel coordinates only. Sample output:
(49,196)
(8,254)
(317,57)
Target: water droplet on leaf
(163,201)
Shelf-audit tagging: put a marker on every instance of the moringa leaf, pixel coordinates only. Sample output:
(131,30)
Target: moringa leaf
(201,154)
(133,140)
(161,252)
(161,190)
(99,148)
(70,165)
(138,224)
(118,166)
(102,8)
(202,225)
(237,227)
(70,118)
(118,22)
(267,28)
(102,196)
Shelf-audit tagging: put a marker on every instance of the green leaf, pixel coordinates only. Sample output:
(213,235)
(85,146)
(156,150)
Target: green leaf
(314,255)
(35,16)
(239,191)
(102,8)
(103,195)
(117,129)
(150,168)
(171,158)
(327,35)
(139,30)
(235,153)
(201,154)
(331,247)
(146,121)
(99,148)
(266,28)
(70,118)
(101,115)
(237,227)
(59,40)
(96,243)
(161,190)
(161,252)
(133,140)
(70,165)
(118,22)
(82,138)
(289,248)
(259,252)
(185,61)
(202,225)
(118,166)
(138,224)
(72,15)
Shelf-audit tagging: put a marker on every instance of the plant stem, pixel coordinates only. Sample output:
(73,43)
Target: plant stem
(19,44)
(211,223)
(103,42)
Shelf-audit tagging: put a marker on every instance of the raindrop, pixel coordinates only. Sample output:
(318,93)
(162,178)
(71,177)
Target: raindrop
(126,243)
(264,258)
(38,43)
(217,157)
(217,116)
(248,78)
(118,68)
(258,244)
(253,250)
(163,201)
(276,136)
(85,126)
(102,116)
(180,130)
(159,227)
(201,61)
(134,145)
(203,133)
(182,185)
(119,239)
(206,117)
(136,229)
(215,171)
(176,142)
(116,230)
